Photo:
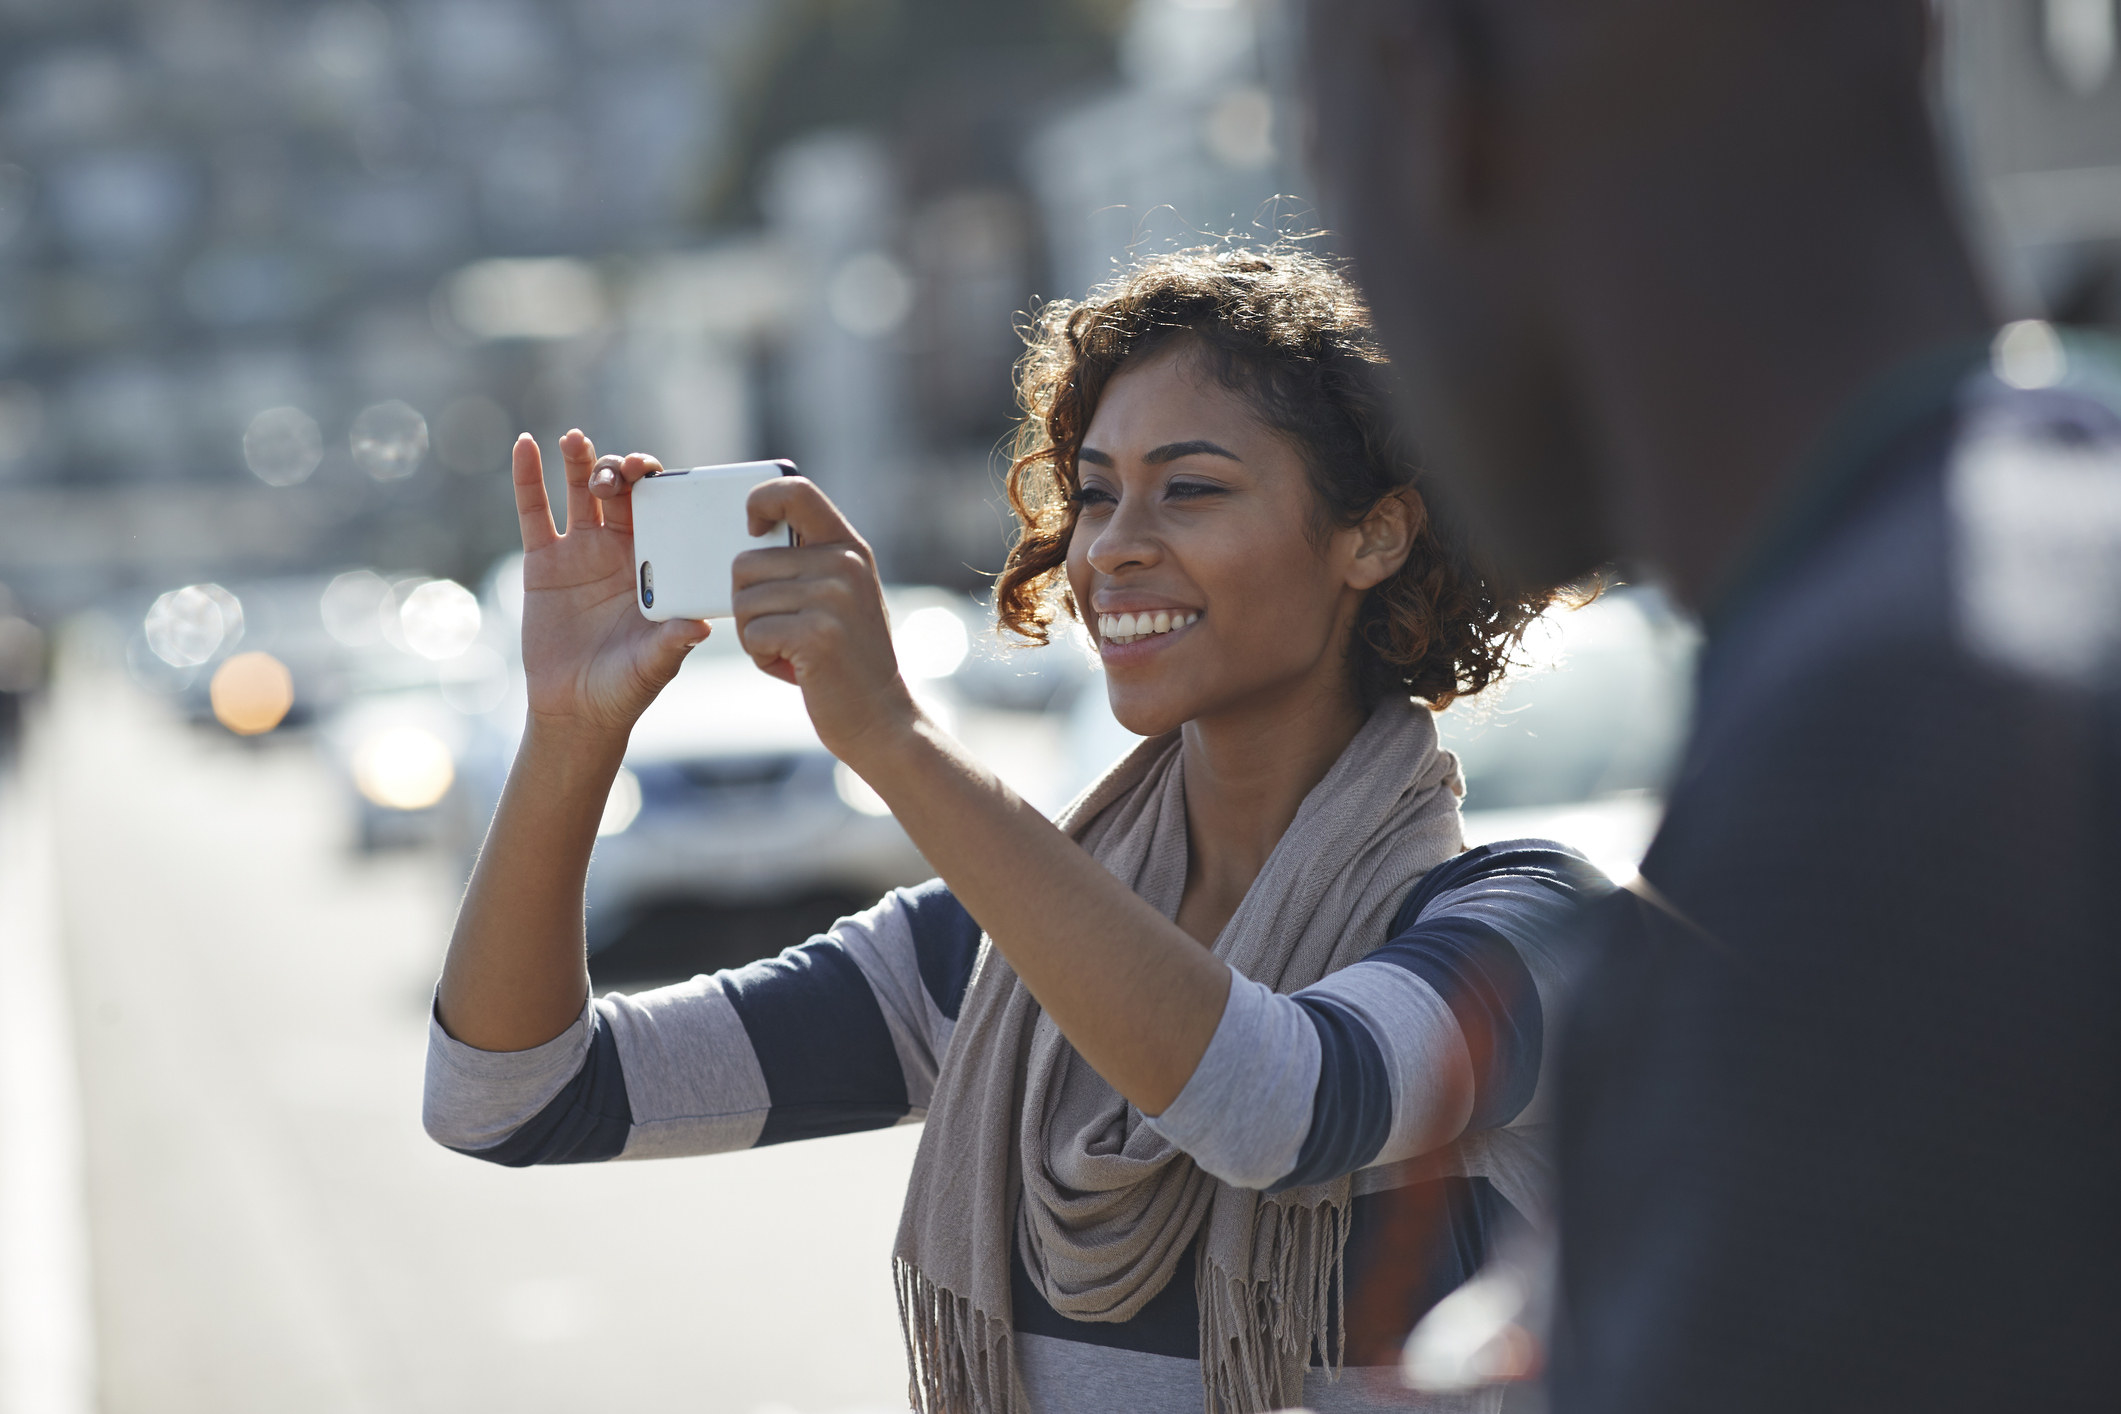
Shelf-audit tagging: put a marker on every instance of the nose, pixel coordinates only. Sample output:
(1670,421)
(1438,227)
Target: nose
(1126,540)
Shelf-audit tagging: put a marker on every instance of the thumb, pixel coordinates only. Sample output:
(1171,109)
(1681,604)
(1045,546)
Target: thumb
(672,640)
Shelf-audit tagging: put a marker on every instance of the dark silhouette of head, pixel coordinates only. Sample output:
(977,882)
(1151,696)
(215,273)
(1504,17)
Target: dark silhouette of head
(1632,256)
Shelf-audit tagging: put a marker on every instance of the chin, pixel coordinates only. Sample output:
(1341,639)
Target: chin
(1146,714)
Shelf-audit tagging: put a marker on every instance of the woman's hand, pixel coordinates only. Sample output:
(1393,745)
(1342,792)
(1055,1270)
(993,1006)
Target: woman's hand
(591,661)
(814,615)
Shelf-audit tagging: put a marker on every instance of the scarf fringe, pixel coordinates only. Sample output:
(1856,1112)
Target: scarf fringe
(958,1360)
(1257,1336)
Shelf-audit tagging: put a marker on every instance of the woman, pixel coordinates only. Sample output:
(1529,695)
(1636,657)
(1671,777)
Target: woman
(1247,1027)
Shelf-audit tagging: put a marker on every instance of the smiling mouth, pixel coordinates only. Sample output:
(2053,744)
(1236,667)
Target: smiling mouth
(1131,628)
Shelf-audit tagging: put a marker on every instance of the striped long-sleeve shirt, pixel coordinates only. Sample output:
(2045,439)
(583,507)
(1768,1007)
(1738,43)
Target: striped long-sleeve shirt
(1439,1031)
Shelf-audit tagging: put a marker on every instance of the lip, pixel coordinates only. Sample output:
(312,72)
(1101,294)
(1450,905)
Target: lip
(1135,604)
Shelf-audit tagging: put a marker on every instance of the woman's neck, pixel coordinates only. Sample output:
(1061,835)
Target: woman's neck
(1247,773)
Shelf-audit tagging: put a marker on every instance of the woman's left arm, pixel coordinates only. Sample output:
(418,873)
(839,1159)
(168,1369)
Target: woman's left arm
(1135,995)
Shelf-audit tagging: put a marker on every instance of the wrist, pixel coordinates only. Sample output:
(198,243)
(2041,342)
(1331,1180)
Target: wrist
(566,750)
(889,743)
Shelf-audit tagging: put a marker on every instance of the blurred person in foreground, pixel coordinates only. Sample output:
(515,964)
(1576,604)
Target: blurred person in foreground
(1680,282)
(1248,984)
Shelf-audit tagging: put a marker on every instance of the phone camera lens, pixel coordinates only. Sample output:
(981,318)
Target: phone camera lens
(647,585)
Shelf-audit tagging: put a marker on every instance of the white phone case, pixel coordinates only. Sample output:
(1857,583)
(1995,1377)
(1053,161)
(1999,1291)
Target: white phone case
(688,528)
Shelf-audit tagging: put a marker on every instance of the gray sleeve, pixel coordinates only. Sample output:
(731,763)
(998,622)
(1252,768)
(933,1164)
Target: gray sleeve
(692,1079)
(475,1099)
(678,1070)
(1244,1113)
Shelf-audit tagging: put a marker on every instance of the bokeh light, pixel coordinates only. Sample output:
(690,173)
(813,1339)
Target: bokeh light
(187,626)
(403,768)
(282,446)
(869,295)
(440,619)
(353,605)
(931,643)
(389,440)
(857,793)
(622,805)
(251,693)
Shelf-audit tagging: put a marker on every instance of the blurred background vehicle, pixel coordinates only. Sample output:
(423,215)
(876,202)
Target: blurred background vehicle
(1578,742)
(280,280)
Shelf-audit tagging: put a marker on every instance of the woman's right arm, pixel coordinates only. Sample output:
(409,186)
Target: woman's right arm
(517,973)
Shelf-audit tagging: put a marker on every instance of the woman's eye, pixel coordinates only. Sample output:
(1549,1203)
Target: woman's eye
(1093,496)
(1192,490)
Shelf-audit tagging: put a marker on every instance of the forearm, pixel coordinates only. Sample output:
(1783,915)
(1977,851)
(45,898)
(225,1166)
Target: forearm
(1135,995)
(517,971)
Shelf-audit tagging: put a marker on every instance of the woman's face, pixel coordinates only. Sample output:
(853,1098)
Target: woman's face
(1194,559)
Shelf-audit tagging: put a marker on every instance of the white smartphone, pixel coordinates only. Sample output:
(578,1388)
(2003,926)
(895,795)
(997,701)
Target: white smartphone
(688,528)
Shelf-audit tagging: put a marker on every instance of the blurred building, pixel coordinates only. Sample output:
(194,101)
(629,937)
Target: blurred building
(279,280)
(237,330)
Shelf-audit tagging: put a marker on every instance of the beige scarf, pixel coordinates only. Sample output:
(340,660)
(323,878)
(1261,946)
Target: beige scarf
(1025,1143)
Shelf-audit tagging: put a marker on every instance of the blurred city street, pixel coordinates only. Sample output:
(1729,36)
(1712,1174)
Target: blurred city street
(270,1228)
(281,282)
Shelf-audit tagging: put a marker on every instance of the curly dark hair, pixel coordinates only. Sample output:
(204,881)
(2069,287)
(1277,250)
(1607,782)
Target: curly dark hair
(1284,328)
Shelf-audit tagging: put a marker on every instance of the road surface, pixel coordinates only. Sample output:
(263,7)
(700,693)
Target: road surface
(269,1228)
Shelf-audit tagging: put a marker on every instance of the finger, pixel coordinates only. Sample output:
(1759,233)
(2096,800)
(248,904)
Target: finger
(613,471)
(772,640)
(838,562)
(533,513)
(578,456)
(807,511)
(671,641)
(613,484)
(791,596)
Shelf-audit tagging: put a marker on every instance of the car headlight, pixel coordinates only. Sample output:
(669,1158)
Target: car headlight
(403,768)
(621,805)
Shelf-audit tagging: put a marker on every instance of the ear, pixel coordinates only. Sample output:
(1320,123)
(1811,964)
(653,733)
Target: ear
(1385,538)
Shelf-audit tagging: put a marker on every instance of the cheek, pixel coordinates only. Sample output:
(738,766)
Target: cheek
(1076,569)
(1273,588)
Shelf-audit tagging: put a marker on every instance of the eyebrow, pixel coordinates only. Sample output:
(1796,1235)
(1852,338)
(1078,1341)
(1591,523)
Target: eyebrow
(1169,452)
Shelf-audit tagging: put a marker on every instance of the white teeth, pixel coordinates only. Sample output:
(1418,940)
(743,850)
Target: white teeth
(1125,628)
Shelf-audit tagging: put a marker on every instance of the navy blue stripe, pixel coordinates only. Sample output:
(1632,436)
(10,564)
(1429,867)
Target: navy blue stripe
(586,1122)
(1351,1110)
(1555,865)
(1481,978)
(1479,975)
(1168,1325)
(821,1043)
(945,942)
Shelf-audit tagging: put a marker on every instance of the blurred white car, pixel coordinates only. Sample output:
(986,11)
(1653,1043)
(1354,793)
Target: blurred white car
(1577,743)
(728,798)
(727,803)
